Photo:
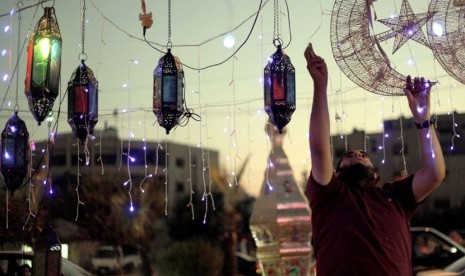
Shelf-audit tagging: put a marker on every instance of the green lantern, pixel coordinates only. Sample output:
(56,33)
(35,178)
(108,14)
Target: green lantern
(43,65)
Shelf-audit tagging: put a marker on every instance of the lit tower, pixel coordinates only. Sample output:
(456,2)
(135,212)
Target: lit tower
(280,221)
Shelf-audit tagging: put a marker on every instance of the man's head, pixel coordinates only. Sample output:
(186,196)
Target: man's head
(355,167)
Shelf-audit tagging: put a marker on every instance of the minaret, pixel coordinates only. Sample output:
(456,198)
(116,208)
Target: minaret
(280,221)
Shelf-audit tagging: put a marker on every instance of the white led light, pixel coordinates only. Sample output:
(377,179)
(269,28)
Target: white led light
(438,30)
(229,41)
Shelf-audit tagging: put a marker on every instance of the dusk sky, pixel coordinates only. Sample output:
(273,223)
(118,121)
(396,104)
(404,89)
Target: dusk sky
(229,97)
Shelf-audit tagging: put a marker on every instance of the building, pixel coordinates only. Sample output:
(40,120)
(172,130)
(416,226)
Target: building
(397,149)
(107,154)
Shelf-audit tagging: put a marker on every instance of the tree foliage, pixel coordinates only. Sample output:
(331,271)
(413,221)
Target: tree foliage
(190,258)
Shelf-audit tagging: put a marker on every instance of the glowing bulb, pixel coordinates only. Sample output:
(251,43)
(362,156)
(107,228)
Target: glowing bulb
(7,28)
(5,77)
(44,46)
(438,30)
(410,62)
(131,208)
(13,129)
(386,135)
(3,52)
(229,41)
(7,156)
(382,161)
(132,159)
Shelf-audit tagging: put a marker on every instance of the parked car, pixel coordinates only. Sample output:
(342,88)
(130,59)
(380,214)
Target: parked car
(457,268)
(20,263)
(432,249)
(111,259)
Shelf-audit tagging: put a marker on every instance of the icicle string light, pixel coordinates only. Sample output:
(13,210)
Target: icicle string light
(189,180)
(146,176)
(29,189)
(165,170)
(385,135)
(451,112)
(130,135)
(402,149)
(100,159)
(233,133)
(78,176)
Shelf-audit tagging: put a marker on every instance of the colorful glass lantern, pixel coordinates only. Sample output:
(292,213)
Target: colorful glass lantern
(168,91)
(82,101)
(43,65)
(15,145)
(279,88)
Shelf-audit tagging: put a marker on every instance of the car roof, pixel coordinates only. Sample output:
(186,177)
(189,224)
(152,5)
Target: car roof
(439,234)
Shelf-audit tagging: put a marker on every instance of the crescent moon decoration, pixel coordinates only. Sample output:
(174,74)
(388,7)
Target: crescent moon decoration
(358,53)
(447,36)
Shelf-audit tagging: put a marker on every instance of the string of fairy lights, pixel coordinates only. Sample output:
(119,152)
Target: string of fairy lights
(341,120)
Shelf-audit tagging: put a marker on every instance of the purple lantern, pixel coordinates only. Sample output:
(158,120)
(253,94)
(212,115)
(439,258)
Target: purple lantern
(15,145)
(279,88)
(168,91)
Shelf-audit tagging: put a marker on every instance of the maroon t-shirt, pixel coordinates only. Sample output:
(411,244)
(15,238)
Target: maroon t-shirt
(362,231)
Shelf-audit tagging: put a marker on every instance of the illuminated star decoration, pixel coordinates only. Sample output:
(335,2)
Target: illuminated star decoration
(406,26)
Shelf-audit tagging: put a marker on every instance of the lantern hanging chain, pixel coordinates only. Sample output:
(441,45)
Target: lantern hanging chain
(276,27)
(169,45)
(18,54)
(83,55)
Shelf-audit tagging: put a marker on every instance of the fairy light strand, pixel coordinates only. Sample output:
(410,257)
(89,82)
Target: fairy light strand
(129,158)
(385,135)
(233,134)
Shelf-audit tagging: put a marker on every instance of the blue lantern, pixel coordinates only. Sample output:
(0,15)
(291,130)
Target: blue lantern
(279,88)
(82,101)
(168,91)
(15,145)
(43,65)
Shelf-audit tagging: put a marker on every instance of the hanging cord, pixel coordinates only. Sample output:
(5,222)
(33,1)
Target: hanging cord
(83,55)
(260,7)
(276,24)
(169,45)
(18,55)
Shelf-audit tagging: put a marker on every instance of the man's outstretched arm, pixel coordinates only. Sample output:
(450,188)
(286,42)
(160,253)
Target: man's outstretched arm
(319,130)
(433,170)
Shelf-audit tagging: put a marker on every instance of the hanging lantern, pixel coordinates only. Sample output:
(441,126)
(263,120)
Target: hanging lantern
(279,88)
(168,91)
(43,65)
(14,152)
(82,101)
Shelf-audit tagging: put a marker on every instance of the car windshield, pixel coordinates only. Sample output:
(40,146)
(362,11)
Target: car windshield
(456,266)
(103,253)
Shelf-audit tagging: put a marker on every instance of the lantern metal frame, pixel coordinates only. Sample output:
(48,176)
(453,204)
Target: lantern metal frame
(279,89)
(43,65)
(15,150)
(168,91)
(82,101)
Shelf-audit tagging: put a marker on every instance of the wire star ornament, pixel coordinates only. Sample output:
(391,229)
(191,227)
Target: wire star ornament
(405,26)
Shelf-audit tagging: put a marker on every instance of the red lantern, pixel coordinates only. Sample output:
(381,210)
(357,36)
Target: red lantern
(82,101)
